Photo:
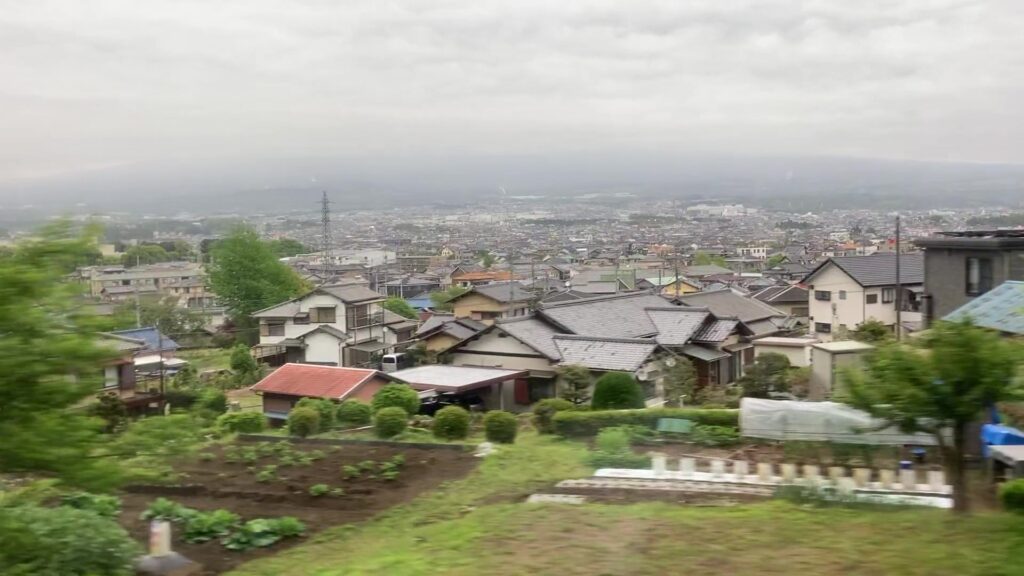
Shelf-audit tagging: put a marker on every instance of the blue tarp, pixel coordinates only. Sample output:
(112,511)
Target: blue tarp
(999,435)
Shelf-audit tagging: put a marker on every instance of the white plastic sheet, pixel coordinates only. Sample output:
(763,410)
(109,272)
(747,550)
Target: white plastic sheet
(819,421)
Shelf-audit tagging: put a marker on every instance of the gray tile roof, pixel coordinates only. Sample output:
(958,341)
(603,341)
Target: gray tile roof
(767,326)
(499,291)
(434,322)
(705,270)
(284,310)
(702,353)
(676,324)
(351,292)
(533,332)
(783,294)
(716,330)
(604,353)
(613,316)
(877,269)
(725,303)
(326,329)
(1001,308)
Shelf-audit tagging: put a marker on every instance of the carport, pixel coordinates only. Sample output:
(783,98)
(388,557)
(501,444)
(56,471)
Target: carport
(489,382)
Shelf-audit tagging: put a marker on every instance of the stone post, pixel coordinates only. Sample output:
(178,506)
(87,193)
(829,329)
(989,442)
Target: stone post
(788,472)
(835,473)
(908,479)
(687,466)
(812,474)
(717,468)
(937,480)
(845,486)
(740,469)
(861,477)
(658,464)
(886,478)
(765,471)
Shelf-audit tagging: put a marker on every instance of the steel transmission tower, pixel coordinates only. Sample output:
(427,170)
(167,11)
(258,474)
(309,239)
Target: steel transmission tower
(325,233)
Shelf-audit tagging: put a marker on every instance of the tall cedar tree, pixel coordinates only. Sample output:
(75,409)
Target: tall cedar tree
(50,361)
(247,276)
(939,385)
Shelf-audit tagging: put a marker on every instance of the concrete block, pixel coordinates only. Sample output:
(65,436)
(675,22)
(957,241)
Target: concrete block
(812,474)
(788,472)
(937,480)
(658,462)
(687,466)
(717,468)
(908,479)
(740,468)
(886,478)
(835,473)
(861,476)
(765,471)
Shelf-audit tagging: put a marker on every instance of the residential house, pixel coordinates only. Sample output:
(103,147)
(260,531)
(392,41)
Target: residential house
(961,266)
(468,276)
(791,299)
(334,325)
(119,376)
(158,350)
(758,318)
(844,292)
(284,387)
(181,280)
(487,302)
(1000,309)
(440,332)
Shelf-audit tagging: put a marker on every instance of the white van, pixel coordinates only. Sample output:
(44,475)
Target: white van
(393,362)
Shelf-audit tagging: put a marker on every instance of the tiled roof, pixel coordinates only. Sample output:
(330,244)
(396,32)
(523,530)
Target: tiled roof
(500,292)
(783,294)
(314,381)
(533,332)
(604,353)
(877,269)
(123,343)
(1001,308)
(284,310)
(676,324)
(716,330)
(614,316)
(724,303)
(151,336)
(327,329)
(351,293)
(701,270)
(434,322)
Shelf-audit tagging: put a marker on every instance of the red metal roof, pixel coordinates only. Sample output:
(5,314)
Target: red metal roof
(314,381)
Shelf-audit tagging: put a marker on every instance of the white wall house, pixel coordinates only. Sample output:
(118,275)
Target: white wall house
(342,325)
(844,292)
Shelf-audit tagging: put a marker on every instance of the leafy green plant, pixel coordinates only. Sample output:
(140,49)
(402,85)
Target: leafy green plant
(242,422)
(500,426)
(390,422)
(398,460)
(714,435)
(204,526)
(349,472)
(267,474)
(390,474)
(617,391)
(612,450)
(1011,494)
(207,456)
(319,489)
(102,504)
(337,492)
(396,396)
(164,509)
(303,421)
(544,413)
(451,423)
(263,532)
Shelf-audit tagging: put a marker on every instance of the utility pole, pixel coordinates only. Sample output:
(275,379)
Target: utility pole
(325,232)
(899,285)
(160,347)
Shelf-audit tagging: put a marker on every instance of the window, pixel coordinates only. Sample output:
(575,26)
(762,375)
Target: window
(822,327)
(357,317)
(301,319)
(824,295)
(979,276)
(272,328)
(842,294)
(888,295)
(871,299)
(322,315)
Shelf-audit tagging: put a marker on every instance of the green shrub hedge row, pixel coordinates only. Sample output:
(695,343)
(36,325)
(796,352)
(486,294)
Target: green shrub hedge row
(587,423)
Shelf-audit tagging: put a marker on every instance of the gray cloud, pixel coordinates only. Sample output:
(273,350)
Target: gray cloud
(93,86)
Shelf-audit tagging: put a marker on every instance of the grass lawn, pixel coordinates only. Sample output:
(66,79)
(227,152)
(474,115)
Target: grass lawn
(475,526)
(207,358)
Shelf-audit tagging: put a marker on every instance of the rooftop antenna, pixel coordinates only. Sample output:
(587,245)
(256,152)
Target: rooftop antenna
(325,233)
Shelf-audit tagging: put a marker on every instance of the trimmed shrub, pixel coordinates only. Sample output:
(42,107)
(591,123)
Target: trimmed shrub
(451,423)
(180,398)
(612,440)
(499,426)
(587,423)
(324,407)
(544,413)
(303,421)
(353,413)
(390,422)
(612,450)
(213,400)
(396,395)
(617,391)
(1011,495)
(243,422)
(706,435)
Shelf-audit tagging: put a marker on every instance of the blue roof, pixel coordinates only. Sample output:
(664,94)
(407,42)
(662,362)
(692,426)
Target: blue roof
(1001,308)
(151,336)
(420,302)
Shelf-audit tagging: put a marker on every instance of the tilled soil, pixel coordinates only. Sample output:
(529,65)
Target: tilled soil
(216,483)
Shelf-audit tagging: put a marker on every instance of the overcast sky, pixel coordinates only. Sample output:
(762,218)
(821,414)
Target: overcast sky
(99,85)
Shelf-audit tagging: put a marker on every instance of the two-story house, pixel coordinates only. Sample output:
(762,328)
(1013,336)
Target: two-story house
(844,292)
(960,266)
(492,301)
(334,325)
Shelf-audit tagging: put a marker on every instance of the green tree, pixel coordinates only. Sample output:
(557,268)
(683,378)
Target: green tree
(575,384)
(286,247)
(939,385)
(166,315)
(247,276)
(775,260)
(401,307)
(244,366)
(617,391)
(486,258)
(187,378)
(872,331)
(397,395)
(705,259)
(50,361)
(442,298)
(769,373)
(680,380)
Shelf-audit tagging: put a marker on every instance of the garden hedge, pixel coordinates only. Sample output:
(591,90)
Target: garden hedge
(353,413)
(390,422)
(588,422)
(1012,495)
(451,423)
(244,422)
(303,421)
(398,395)
(544,412)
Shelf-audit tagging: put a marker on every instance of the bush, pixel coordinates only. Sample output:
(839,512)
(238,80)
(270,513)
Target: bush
(396,395)
(1011,495)
(353,413)
(303,421)
(263,532)
(544,413)
(213,400)
(390,422)
(587,423)
(324,407)
(617,391)
(612,440)
(102,504)
(451,423)
(499,426)
(612,450)
(243,422)
(63,541)
(706,435)
(205,526)
(181,398)
(319,489)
